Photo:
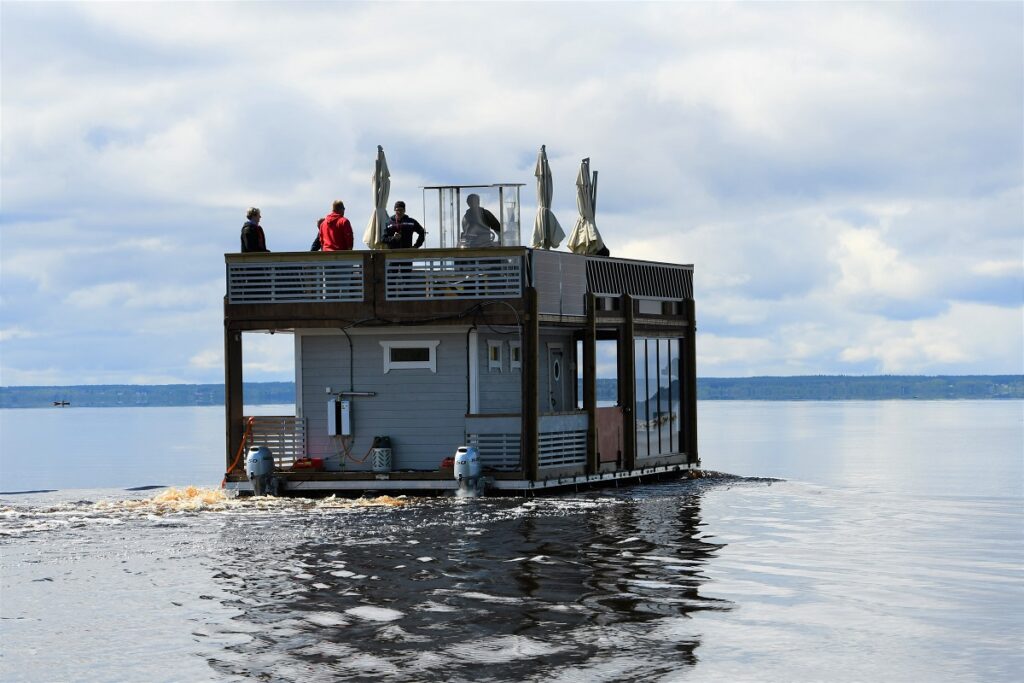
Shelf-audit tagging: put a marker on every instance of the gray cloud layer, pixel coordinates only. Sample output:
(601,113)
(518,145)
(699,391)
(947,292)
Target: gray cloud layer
(846,178)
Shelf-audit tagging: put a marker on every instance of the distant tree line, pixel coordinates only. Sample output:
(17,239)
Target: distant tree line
(845,388)
(802,388)
(879,387)
(143,395)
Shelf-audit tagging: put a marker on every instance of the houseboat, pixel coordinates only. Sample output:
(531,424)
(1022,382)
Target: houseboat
(409,362)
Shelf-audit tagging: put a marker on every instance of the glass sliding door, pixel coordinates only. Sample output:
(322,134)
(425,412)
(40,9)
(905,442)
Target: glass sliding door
(659,397)
(642,404)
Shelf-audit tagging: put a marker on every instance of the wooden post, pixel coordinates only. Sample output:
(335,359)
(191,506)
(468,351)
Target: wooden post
(590,381)
(683,423)
(234,422)
(375,264)
(689,379)
(531,372)
(627,383)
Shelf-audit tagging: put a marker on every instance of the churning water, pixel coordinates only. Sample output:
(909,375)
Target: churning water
(886,546)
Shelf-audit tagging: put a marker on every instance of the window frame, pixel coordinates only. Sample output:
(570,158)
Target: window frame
(515,348)
(429,364)
(498,363)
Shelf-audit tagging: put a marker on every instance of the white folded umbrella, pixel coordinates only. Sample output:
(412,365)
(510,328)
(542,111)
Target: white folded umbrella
(547,233)
(381,183)
(585,239)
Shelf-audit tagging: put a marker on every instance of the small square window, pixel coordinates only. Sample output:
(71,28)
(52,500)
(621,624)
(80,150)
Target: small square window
(410,355)
(515,356)
(648,307)
(494,355)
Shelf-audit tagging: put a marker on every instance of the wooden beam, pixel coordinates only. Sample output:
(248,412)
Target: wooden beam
(233,400)
(531,373)
(590,382)
(689,354)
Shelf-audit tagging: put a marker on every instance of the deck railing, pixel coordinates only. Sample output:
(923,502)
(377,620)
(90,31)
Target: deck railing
(317,278)
(561,279)
(284,435)
(455,277)
(500,452)
(562,440)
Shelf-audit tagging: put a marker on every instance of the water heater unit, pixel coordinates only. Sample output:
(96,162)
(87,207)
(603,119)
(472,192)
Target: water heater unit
(339,417)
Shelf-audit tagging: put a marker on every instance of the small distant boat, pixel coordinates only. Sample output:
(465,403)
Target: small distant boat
(61,404)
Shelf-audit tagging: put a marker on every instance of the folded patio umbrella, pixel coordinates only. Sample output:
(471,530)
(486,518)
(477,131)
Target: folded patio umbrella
(381,183)
(585,239)
(547,233)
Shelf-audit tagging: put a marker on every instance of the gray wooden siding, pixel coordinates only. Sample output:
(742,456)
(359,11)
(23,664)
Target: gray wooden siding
(422,412)
(500,392)
(561,281)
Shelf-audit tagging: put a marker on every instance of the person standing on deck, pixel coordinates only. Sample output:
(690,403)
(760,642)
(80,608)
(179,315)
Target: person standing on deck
(253,238)
(316,241)
(477,224)
(335,230)
(400,228)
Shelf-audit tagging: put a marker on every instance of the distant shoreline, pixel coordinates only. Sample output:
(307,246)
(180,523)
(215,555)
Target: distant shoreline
(798,388)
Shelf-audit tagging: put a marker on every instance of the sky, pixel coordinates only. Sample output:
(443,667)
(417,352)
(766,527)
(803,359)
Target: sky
(847,179)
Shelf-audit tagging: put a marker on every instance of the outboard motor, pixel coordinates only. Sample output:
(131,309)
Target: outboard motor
(467,472)
(259,468)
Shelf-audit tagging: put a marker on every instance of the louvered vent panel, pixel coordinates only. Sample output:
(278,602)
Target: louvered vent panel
(609,277)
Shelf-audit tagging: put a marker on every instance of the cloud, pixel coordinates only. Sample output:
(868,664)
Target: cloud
(265,357)
(999,268)
(869,266)
(10,333)
(136,295)
(961,340)
(208,359)
(843,177)
(268,356)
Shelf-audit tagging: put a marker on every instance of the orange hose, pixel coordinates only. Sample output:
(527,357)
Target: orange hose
(241,447)
(347,450)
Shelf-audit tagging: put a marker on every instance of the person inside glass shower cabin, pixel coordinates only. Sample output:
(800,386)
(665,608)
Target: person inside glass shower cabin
(477,225)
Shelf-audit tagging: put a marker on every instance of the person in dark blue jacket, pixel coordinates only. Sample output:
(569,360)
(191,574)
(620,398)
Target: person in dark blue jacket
(253,238)
(400,228)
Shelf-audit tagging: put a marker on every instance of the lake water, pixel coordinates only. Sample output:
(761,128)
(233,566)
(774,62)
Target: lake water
(858,541)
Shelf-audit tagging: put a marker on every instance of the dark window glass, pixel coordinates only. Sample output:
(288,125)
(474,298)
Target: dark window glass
(664,397)
(413,355)
(642,416)
(673,395)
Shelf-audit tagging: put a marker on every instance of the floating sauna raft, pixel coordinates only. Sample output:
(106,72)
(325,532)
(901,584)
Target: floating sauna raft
(494,348)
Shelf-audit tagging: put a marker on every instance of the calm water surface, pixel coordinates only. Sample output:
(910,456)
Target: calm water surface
(892,550)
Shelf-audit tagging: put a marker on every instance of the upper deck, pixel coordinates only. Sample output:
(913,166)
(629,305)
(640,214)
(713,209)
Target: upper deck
(317,289)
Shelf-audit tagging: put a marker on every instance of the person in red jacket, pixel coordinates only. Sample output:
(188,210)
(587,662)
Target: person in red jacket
(336,231)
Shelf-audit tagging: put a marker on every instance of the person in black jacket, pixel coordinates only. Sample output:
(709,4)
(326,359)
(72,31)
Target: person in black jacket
(400,228)
(316,241)
(253,238)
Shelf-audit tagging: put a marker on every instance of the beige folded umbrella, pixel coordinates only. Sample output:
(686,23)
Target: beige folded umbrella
(547,233)
(585,239)
(381,183)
